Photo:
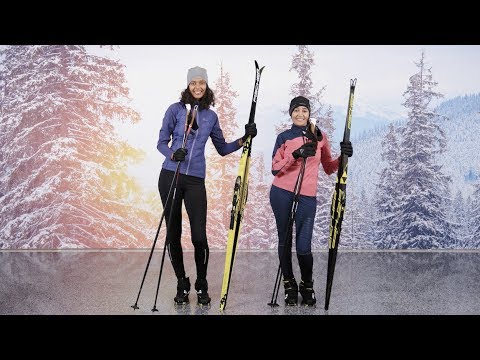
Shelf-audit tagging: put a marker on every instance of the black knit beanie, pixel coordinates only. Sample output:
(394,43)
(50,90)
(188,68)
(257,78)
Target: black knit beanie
(298,101)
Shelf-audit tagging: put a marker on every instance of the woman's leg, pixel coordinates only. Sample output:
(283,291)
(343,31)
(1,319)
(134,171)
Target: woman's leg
(174,228)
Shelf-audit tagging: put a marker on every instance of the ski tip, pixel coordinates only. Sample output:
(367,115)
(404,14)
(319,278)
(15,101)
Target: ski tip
(258,67)
(188,106)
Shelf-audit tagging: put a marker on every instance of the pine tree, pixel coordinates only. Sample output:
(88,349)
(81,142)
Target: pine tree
(422,186)
(469,219)
(63,167)
(302,63)
(387,192)
(459,218)
(365,225)
(475,219)
(325,188)
(222,170)
(259,230)
(357,222)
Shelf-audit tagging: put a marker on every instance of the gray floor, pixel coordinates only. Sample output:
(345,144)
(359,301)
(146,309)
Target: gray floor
(366,283)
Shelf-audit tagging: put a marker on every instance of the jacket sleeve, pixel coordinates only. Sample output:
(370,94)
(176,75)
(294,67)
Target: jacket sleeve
(329,165)
(165,134)
(218,140)
(281,160)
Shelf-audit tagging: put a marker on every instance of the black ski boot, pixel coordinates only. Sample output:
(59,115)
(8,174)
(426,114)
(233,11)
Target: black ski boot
(291,291)
(183,289)
(201,286)
(307,292)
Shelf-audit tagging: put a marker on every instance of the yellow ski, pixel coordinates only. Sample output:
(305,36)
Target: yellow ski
(240,192)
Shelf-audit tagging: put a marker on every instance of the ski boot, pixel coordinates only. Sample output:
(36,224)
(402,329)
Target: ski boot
(307,292)
(291,291)
(201,286)
(183,289)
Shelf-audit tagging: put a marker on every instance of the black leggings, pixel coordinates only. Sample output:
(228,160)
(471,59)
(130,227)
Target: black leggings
(191,190)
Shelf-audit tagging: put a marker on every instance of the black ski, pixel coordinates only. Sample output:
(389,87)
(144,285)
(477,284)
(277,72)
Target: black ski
(338,201)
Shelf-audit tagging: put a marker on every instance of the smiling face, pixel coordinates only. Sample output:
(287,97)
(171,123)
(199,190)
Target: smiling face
(197,87)
(300,115)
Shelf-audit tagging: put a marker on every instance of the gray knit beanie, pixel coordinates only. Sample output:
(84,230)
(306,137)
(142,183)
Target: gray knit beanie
(196,72)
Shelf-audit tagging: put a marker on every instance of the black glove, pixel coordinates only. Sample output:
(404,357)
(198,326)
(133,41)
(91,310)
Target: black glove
(346,148)
(179,154)
(250,130)
(306,150)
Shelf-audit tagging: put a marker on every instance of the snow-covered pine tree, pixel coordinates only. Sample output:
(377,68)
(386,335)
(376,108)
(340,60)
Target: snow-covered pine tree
(357,225)
(222,170)
(459,214)
(474,238)
(63,167)
(259,230)
(468,210)
(325,187)
(423,196)
(302,63)
(387,192)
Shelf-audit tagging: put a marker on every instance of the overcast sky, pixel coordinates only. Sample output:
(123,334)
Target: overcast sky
(159,71)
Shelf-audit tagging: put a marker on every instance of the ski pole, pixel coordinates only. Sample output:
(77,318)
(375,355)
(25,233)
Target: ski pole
(288,234)
(175,179)
(135,306)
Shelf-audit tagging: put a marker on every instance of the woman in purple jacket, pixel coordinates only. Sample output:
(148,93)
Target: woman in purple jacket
(191,181)
(303,141)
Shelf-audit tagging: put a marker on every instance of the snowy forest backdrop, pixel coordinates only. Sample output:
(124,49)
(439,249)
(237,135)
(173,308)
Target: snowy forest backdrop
(68,171)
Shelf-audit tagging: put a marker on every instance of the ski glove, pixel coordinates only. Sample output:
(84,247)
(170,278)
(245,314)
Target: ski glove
(306,150)
(179,154)
(346,148)
(250,130)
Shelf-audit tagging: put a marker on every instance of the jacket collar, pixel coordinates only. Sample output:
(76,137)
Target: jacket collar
(299,129)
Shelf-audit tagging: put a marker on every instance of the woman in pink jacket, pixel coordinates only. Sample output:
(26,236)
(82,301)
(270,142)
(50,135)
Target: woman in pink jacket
(303,141)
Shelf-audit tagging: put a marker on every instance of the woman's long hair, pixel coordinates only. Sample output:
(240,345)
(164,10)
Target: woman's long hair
(314,130)
(204,103)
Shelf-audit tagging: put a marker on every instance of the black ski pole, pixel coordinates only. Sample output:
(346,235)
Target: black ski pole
(135,306)
(288,234)
(175,179)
